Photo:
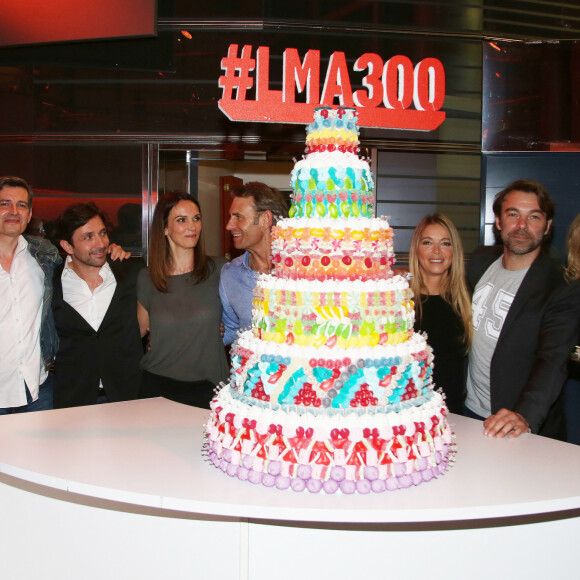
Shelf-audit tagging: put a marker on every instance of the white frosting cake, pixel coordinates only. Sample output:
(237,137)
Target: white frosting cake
(331,390)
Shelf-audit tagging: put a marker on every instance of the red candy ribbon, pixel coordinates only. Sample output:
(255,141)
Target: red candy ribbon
(368,433)
(300,432)
(342,434)
(277,429)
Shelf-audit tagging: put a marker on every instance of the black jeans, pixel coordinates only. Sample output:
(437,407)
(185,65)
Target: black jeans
(469,413)
(193,393)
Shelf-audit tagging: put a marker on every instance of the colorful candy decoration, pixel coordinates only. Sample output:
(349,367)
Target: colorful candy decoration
(359,315)
(343,382)
(331,390)
(328,249)
(308,454)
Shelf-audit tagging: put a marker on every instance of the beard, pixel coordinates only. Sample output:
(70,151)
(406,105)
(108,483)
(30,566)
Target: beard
(95,258)
(521,242)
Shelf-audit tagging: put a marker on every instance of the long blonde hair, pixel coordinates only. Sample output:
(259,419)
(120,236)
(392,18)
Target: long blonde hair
(454,288)
(573,242)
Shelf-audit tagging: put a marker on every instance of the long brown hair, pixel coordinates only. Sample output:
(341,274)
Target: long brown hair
(160,257)
(454,289)
(573,243)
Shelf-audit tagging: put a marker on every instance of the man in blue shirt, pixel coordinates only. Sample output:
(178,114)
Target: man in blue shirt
(255,209)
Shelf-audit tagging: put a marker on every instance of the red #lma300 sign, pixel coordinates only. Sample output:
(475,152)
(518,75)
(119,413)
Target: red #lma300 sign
(395,94)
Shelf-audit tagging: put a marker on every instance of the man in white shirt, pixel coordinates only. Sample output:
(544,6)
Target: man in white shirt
(26,325)
(95,311)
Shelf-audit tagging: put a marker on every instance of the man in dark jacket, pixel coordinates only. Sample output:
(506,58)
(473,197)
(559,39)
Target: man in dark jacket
(525,322)
(95,312)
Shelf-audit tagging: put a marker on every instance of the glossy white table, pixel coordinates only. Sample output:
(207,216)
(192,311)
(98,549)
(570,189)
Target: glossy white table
(122,491)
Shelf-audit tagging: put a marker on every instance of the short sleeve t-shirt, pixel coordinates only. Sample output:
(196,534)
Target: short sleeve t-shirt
(491,302)
(185,328)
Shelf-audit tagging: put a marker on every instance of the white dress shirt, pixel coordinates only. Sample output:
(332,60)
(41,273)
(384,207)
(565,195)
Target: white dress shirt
(21,293)
(92,306)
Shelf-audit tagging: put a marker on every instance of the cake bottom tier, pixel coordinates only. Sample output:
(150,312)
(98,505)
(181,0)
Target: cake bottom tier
(351,451)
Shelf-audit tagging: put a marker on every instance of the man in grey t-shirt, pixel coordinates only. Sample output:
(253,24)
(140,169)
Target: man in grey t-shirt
(525,321)
(491,302)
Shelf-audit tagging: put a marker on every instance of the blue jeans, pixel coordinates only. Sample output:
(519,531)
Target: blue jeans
(43,403)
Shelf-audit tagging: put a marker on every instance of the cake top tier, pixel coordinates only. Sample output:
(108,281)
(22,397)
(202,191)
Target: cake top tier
(332,180)
(333,130)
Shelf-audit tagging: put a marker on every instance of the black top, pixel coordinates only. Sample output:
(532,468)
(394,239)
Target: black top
(444,333)
(574,363)
(574,366)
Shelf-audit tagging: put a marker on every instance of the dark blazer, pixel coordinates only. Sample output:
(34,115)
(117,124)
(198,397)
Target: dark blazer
(528,367)
(112,354)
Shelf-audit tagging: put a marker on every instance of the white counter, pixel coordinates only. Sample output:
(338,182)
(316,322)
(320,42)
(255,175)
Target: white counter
(141,461)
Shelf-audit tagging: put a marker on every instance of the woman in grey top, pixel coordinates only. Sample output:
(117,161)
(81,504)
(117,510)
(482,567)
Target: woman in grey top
(179,306)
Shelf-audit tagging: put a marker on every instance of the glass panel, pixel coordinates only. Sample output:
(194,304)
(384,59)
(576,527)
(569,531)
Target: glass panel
(169,85)
(412,14)
(17,159)
(412,185)
(502,18)
(531,19)
(60,175)
(16,95)
(199,173)
(531,96)
(558,172)
(408,186)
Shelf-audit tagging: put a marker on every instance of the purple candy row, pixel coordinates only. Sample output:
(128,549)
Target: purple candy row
(338,473)
(337,477)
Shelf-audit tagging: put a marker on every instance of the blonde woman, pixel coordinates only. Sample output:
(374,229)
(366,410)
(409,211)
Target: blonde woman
(572,389)
(573,243)
(442,302)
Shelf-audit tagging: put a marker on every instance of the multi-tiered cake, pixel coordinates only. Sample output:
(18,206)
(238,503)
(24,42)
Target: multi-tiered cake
(331,389)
